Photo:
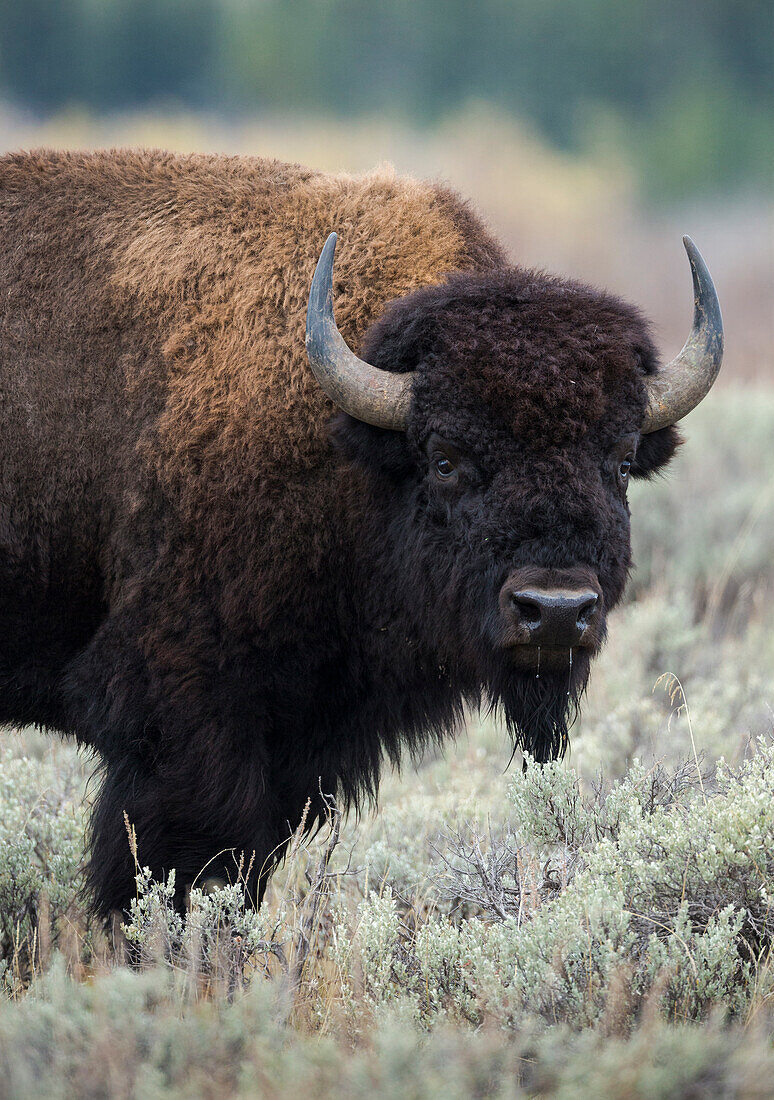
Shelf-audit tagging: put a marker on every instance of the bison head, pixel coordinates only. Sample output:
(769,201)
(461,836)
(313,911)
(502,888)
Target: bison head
(502,415)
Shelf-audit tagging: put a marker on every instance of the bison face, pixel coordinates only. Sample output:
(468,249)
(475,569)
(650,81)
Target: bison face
(502,507)
(507,412)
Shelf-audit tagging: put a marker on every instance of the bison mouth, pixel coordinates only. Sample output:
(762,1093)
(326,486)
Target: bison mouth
(547,659)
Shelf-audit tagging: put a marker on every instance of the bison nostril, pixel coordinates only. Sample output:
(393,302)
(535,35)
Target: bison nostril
(586,610)
(527,610)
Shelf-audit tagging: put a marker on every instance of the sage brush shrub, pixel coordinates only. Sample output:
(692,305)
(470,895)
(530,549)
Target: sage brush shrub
(401,844)
(675,889)
(41,850)
(125,1035)
(220,938)
(660,879)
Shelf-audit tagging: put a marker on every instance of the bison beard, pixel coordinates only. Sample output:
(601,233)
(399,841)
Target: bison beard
(539,709)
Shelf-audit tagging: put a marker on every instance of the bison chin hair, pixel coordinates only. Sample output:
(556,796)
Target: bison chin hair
(539,710)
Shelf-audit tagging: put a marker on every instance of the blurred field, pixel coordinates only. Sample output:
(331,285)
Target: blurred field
(409,989)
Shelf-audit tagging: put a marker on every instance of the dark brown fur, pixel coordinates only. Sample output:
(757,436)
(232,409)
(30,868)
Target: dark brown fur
(185,559)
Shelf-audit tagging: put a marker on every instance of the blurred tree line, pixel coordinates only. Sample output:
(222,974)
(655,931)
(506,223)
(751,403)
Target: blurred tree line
(684,87)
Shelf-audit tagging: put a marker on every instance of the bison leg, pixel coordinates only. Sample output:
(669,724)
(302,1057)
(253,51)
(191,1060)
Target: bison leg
(210,826)
(185,756)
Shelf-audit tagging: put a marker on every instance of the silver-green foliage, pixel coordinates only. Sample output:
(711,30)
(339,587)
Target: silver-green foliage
(129,1034)
(41,849)
(212,942)
(668,883)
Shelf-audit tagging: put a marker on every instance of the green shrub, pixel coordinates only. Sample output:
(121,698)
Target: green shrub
(128,1034)
(41,851)
(663,878)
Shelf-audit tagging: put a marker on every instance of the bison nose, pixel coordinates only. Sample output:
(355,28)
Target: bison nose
(552,616)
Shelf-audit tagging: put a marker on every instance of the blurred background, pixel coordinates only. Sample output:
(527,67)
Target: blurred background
(590,133)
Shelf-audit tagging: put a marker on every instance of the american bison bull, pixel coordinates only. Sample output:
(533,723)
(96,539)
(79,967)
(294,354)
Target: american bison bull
(235,593)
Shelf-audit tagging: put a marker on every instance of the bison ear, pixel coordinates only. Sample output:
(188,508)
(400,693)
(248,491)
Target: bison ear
(655,451)
(377,450)
(403,336)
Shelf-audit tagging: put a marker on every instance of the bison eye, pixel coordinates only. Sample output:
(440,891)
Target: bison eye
(443,466)
(625,467)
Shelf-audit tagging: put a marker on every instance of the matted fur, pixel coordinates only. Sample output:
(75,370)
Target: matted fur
(235,613)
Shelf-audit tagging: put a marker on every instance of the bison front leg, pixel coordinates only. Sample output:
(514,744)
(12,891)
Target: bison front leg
(184,754)
(206,823)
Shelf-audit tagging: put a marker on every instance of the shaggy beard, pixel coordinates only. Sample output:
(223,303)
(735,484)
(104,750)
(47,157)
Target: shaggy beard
(539,711)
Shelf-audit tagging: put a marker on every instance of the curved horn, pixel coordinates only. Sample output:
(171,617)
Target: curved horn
(376,396)
(684,382)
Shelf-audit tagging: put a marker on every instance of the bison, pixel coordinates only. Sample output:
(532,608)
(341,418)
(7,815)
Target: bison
(243,582)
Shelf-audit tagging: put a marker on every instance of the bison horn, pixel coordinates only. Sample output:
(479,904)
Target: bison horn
(376,396)
(681,385)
